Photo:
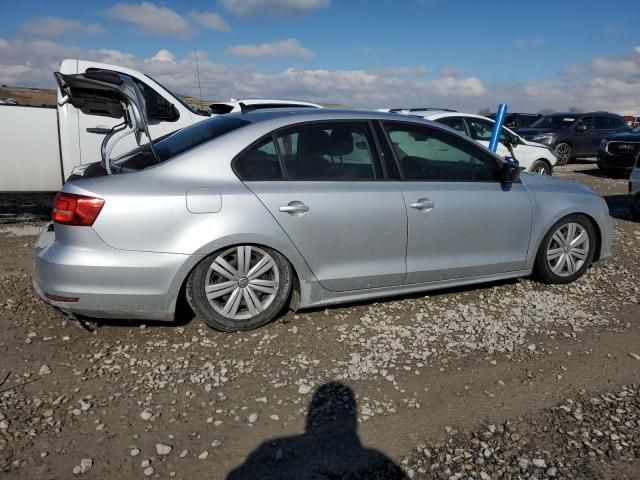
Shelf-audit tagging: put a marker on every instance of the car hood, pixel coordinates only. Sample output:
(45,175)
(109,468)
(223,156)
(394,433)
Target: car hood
(549,183)
(625,137)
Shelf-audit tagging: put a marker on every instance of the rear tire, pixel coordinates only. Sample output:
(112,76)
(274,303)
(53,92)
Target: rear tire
(566,250)
(240,288)
(564,153)
(541,167)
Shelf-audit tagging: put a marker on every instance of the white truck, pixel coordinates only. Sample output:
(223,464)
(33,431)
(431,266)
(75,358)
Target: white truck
(42,145)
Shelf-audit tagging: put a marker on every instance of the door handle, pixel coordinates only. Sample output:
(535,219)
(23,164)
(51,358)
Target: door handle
(295,208)
(424,204)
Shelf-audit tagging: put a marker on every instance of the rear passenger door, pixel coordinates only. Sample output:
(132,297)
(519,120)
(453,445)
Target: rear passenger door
(324,184)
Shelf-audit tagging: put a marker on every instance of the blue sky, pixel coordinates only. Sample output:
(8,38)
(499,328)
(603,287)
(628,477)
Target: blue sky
(362,53)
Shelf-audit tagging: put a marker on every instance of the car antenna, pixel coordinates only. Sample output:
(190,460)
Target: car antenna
(243,107)
(195,52)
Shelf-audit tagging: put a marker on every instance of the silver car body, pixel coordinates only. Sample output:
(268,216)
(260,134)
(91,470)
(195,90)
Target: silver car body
(359,240)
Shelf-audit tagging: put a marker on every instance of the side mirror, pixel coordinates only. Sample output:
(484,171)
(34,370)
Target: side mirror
(510,172)
(581,127)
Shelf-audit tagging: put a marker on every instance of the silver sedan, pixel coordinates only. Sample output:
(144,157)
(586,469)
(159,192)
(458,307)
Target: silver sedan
(251,213)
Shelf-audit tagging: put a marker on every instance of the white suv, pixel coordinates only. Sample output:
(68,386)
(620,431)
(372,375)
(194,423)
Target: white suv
(233,105)
(534,157)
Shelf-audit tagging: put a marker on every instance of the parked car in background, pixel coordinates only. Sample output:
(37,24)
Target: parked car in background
(518,120)
(248,104)
(572,135)
(534,157)
(618,153)
(249,213)
(634,190)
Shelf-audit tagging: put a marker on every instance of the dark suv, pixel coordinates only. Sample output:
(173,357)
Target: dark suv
(572,135)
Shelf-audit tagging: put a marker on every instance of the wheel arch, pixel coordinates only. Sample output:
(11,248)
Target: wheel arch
(178,297)
(546,161)
(590,218)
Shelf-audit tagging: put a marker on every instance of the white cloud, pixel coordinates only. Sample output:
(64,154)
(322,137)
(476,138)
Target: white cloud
(211,21)
(283,48)
(58,27)
(150,18)
(162,55)
(31,63)
(249,8)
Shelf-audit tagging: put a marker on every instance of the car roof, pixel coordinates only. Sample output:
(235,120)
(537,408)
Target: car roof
(261,101)
(282,117)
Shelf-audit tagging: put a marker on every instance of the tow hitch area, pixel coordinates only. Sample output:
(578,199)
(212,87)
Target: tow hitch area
(85,323)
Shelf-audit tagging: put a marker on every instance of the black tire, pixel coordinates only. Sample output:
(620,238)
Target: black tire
(541,167)
(195,293)
(542,269)
(564,153)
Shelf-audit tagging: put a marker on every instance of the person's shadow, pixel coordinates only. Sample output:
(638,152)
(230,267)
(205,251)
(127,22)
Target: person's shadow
(328,449)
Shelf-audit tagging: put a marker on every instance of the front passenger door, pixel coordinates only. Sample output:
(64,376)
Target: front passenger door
(462,222)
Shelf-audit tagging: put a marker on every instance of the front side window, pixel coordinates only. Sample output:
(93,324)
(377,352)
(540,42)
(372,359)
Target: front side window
(329,151)
(433,155)
(157,106)
(586,122)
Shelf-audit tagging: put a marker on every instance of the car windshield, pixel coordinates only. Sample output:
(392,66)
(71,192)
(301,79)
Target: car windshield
(555,122)
(178,142)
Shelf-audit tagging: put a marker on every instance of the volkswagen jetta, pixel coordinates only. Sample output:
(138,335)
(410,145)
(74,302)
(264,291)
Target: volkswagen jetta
(249,213)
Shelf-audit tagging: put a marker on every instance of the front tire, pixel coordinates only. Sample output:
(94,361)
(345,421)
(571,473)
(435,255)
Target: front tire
(564,153)
(240,288)
(541,167)
(566,250)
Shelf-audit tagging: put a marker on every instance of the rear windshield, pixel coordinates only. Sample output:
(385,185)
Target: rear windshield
(557,122)
(178,142)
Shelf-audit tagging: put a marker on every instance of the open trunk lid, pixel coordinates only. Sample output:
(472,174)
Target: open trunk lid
(108,94)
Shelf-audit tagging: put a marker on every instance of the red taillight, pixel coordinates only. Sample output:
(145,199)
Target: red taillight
(72,209)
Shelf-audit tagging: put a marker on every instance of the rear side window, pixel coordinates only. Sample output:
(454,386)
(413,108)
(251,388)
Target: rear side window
(329,151)
(259,162)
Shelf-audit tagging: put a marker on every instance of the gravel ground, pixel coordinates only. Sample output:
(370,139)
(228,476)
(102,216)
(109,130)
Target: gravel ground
(507,380)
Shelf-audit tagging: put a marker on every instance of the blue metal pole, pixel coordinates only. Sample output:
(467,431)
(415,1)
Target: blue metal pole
(497,127)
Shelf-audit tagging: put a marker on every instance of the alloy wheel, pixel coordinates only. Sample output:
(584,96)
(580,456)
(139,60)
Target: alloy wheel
(562,153)
(242,282)
(568,249)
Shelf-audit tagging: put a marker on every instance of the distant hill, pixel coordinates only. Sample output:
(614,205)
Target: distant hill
(47,97)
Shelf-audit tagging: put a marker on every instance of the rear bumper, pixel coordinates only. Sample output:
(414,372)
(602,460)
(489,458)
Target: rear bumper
(108,283)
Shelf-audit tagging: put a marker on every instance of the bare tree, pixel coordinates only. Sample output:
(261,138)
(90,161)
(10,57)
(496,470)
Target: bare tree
(484,111)
(546,111)
(574,109)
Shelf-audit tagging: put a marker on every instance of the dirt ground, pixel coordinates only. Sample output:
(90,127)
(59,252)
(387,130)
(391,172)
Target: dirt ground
(523,373)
